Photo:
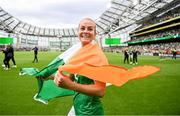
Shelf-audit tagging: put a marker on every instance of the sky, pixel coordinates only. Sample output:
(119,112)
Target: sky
(54,13)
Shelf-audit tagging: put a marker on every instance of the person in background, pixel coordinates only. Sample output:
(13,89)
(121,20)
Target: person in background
(35,54)
(12,58)
(8,56)
(135,55)
(174,52)
(5,56)
(126,56)
(130,55)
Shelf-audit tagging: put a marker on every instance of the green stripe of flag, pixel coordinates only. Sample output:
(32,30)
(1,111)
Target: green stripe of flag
(47,89)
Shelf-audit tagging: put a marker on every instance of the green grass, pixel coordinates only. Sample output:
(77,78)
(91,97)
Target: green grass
(159,94)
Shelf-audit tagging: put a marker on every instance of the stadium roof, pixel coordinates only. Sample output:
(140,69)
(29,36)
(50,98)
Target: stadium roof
(121,14)
(124,13)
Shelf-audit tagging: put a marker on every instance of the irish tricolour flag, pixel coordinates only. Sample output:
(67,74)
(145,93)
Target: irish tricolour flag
(88,61)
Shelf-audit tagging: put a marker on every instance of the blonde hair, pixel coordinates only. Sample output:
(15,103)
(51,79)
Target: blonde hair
(89,19)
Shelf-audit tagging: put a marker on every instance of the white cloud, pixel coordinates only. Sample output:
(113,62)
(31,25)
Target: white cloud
(54,13)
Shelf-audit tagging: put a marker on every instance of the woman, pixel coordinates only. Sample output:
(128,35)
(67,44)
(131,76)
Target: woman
(88,92)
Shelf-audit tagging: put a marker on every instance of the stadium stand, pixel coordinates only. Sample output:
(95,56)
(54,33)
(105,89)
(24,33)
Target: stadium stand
(140,23)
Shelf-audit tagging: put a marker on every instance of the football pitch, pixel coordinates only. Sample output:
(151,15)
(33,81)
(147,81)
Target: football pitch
(159,94)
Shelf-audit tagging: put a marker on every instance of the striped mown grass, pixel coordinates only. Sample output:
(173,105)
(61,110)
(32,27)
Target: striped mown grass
(156,95)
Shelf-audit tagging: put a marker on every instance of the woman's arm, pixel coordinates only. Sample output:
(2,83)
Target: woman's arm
(96,89)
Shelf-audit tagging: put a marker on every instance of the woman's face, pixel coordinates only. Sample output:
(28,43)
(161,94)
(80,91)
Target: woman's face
(86,31)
